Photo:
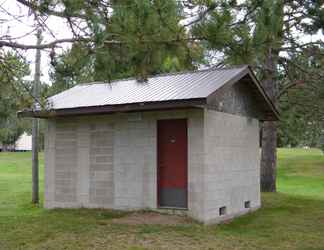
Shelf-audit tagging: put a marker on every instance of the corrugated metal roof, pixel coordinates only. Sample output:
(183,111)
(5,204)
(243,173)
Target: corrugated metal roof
(167,87)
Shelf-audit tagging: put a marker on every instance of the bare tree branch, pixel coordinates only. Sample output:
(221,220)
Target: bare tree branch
(42,46)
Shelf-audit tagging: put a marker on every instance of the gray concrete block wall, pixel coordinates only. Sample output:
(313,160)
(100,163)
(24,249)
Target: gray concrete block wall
(110,161)
(232,165)
(134,162)
(101,171)
(196,155)
(49,171)
(83,147)
(129,141)
(66,167)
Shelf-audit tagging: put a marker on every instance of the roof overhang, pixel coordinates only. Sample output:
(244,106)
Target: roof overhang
(276,115)
(108,109)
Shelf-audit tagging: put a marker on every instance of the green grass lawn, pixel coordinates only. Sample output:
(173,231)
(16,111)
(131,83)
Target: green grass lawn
(291,219)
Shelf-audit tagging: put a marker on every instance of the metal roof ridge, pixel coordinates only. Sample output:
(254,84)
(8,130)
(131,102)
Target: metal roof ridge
(169,74)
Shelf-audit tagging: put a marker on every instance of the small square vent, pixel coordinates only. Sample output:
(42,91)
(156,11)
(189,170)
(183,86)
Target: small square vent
(247,204)
(222,210)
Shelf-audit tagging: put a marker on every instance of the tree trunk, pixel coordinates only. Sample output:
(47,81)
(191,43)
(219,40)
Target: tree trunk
(269,128)
(269,157)
(4,148)
(35,173)
(35,182)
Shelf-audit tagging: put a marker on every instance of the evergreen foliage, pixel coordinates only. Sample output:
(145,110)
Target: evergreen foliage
(145,39)
(13,96)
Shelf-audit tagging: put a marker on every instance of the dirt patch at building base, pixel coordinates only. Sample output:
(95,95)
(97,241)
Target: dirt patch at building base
(152,218)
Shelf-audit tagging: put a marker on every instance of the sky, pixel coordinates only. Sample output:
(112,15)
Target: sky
(24,30)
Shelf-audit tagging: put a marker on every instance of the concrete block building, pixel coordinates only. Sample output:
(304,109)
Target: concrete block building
(184,141)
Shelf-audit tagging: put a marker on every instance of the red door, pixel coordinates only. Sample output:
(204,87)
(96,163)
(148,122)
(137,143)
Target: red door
(172,163)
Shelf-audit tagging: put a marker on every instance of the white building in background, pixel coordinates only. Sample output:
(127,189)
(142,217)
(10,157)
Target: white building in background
(24,143)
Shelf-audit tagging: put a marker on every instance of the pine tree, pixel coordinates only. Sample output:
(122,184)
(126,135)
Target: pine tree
(13,96)
(263,34)
(145,38)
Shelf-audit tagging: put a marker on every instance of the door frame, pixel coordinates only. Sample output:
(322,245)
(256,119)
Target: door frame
(157,165)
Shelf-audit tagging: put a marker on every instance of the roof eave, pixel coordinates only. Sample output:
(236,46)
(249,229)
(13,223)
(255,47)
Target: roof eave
(108,109)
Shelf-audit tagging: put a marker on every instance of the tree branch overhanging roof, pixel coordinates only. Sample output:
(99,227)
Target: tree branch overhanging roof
(165,91)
